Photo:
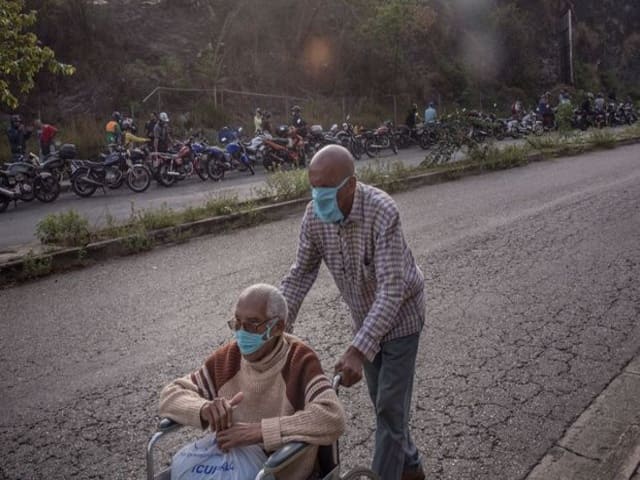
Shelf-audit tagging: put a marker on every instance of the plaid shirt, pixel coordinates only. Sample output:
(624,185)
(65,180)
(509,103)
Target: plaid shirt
(371,264)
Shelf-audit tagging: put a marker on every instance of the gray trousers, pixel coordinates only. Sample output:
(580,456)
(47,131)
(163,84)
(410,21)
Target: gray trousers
(390,381)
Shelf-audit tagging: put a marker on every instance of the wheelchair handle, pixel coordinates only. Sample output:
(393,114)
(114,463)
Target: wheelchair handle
(337,380)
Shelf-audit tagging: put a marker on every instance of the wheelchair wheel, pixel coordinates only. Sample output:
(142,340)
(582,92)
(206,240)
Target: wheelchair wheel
(360,473)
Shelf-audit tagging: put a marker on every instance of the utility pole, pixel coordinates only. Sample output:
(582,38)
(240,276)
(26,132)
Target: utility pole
(566,18)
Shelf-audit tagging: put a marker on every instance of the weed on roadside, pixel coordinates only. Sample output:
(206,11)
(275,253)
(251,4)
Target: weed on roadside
(288,185)
(35,266)
(385,175)
(155,219)
(603,139)
(493,158)
(223,205)
(138,240)
(69,229)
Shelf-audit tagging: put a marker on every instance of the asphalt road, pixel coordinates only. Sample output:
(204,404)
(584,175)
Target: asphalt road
(533,297)
(18,225)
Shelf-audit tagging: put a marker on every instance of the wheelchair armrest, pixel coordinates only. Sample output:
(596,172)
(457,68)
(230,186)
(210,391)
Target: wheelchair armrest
(166,425)
(284,455)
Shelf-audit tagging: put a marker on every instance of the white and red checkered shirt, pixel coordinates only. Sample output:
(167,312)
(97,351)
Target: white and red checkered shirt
(371,264)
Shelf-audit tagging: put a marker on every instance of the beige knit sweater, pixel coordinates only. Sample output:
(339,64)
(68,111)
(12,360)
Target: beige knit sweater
(286,392)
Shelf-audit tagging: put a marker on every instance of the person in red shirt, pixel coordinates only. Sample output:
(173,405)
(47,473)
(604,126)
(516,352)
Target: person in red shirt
(46,134)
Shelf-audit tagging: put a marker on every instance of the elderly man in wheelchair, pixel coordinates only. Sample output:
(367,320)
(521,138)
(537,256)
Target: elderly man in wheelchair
(264,388)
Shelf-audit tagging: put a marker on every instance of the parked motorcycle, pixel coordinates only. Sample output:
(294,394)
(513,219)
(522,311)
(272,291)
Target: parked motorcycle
(115,169)
(349,140)
(380,139)
(58,163)
(182,163)
(26,181)
(284,152)
(233,157)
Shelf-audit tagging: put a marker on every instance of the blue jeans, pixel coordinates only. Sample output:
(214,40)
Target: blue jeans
(390,381)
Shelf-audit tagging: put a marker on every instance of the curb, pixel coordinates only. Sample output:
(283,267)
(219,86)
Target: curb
(32,266)
(604,442)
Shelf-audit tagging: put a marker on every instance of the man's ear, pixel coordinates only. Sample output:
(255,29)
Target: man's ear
(278,328)
(353,182)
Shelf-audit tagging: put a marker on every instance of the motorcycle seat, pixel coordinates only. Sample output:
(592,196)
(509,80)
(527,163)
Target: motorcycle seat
(92,164)
(281,141)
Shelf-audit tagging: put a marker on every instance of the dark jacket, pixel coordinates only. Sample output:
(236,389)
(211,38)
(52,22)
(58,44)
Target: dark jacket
(18,139)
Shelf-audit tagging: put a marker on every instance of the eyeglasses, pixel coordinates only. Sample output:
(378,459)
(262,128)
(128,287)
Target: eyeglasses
(249,326)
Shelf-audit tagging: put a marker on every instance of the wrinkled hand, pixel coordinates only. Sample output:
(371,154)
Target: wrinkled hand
(218,413)
(350,366)
(239,435)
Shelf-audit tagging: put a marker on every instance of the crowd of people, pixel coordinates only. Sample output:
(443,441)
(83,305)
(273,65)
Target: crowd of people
(121,130)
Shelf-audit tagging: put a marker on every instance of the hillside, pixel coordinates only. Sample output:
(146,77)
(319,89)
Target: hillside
(466,51)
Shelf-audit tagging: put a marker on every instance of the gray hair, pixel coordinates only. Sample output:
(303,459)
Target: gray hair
(276,303)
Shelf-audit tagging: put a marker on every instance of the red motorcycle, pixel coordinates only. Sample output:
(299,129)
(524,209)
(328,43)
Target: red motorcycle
(172,167)
(284,152)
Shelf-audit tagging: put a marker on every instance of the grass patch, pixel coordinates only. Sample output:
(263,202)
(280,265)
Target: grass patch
(493,158)
(385,175)
(546,142)
(68,229)
(72,230)
(285,185)
(34,266)
(603,139)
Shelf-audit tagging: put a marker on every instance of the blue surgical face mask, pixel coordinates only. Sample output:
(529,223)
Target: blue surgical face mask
(325,202)
(249,343)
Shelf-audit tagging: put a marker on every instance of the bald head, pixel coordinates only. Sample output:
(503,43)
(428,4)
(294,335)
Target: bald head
(330,166)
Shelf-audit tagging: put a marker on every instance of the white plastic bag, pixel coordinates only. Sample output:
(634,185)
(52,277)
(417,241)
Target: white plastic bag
(203,460)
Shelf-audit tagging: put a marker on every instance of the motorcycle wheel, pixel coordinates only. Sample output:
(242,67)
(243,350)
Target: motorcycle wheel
(424,141)
(354,148)
(138,178)
(215,170)
(80,187)
(251,170)
(394,146)
(4,201)
(46,189)
(370,149)
(201,170)
(164,178)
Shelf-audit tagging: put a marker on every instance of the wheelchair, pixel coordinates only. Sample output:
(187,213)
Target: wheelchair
(328,456)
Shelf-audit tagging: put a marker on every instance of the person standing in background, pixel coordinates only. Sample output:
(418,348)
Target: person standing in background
(46,134)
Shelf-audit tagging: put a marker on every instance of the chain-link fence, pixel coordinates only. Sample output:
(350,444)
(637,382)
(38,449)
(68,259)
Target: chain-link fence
(214,108)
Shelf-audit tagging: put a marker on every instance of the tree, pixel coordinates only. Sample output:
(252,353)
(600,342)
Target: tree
(22,56)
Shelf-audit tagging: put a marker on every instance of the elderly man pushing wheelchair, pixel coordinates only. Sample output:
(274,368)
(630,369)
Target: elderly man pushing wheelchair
(266,387)
(355,229)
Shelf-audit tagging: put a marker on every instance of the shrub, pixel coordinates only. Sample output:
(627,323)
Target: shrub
(69,229)
(564,114)
(35,266)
